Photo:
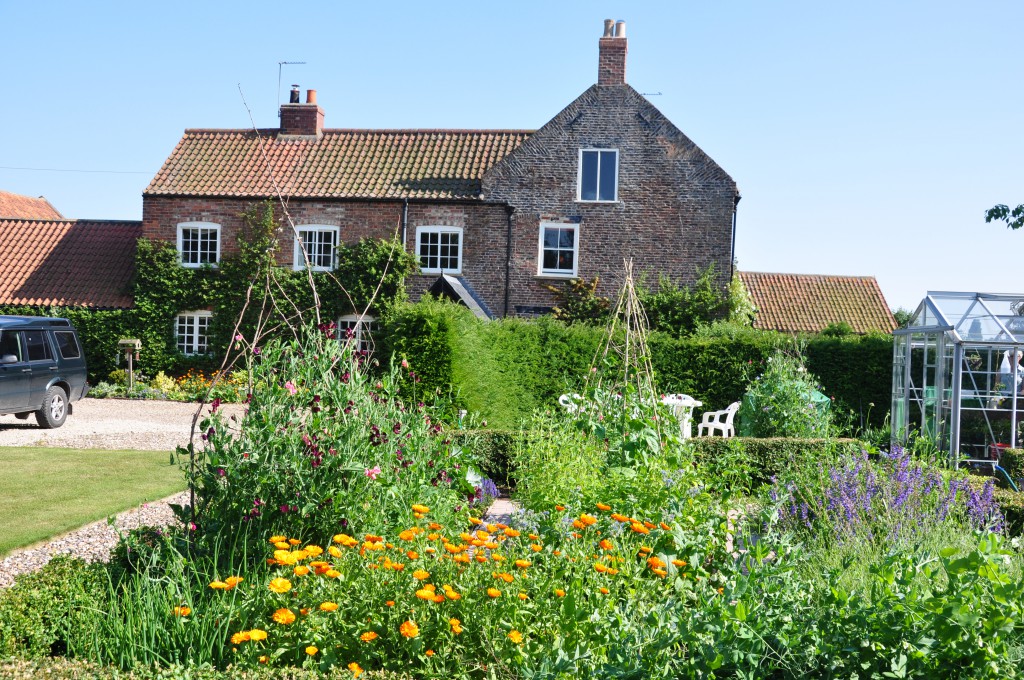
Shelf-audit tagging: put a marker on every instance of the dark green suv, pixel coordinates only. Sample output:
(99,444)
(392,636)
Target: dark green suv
(42,368)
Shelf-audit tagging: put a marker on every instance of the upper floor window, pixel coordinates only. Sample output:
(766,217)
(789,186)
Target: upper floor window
(439,249)
(321,245)
(599,175)
(191,332)
(357,329)
(559,246)
(199,243)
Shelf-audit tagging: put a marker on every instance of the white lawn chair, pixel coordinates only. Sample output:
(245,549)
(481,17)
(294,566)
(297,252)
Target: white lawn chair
(682,405)
(719,421)
(572,403)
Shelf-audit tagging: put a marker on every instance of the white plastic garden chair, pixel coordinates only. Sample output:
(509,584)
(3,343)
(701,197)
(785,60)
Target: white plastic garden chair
(572,403)
(719,421)
(682,405)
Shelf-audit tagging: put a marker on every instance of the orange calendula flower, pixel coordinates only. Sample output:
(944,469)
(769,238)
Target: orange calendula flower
(425,594)
(536,547)
(612,572)
(345,540)
(280,585)
(507,578)
(264,659)
(560,508)
(493,592)
(328,606)
(603,507)
(257,634)
(429,652)
(182,611)
(511,533)
(645,550)
(368,636)
(604,591)
(649,525)
(639,528)
(294,541)
(390,603)
(284,616)
(515,636)
(451,594)
(239,638)
(456,626)
(559,592)
(356,670)
(475,521)
(218,585)
(660,572)
(409,629)
(301,570)
(497,558)
(606,544)
(679,563)
(522,564)
(233,581)
(335,551)
(278,539)
(523,596)
(480,558)
(655,562)
(600,567)
(462,559)
(588,520)
(412,555)
(576,524)
(422,509)
(332,573)
(311,650)
(407,535)
(664,526)
(619,518)
(281,545)
(313,550)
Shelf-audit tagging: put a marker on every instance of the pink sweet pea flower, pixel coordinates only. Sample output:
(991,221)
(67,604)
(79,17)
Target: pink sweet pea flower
(290,387)
(373,472)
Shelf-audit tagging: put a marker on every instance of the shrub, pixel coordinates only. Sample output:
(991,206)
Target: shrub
(748,463)
(784,402)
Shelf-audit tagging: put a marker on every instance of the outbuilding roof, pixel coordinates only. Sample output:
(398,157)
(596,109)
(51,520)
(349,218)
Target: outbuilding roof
(85,263)
(810,302)
(26,207)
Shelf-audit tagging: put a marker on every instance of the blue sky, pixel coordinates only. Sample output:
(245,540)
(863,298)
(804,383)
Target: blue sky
(867,138)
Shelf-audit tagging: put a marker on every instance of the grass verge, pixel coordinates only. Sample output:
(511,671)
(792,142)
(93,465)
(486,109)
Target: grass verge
(47,492)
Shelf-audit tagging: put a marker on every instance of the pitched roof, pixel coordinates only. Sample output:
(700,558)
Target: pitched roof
(67,262)
(367,164)
(26,207)
(810,302)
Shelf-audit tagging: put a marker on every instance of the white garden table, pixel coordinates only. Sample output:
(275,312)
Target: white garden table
(682,405)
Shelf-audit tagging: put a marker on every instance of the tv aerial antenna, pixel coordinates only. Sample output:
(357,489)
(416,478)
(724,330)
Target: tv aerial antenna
(280,66)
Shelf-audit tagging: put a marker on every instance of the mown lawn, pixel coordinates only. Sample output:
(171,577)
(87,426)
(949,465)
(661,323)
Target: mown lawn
(46,492)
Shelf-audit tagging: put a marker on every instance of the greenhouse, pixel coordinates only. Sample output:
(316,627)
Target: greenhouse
(957,374)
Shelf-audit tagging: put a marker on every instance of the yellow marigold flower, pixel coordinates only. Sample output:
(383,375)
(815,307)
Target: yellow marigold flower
(425,594)
(328,606)
(497,558)
(345,540)
(218,585)
(655,562)
(559,592)
(491,545)
(239,638)
(430,551)
(523,596)
(264,659)
(422,509)
(560,508)
(409,629)
(284,557)
(257,634)
(233,581)
(639,528)
(588,520)
(660,572)
(600,567)
(280,585)
(480,558)
(390,603)
(368,636)
(664,526)
(356,670)
(463,558)
(451,594)
(603,507)
(182,611)
(335,551)
(313,550)
(294,541)
(281,545)
(612,572)
(491,528)
(606,544)
(301,570)
(278,539)
(456,626)
(493,592)
(523,564)
(679,563)
(507,578)
(645,550)
(332,573)
(299,555)
(421,575)
(604,591)
(429,652)
(515,636)
(438,598)
(284,616)
(412,555)
(433,536)
(511,533)
(407,535)
(466,536)
(474,520)
(536,547)
(619,518)
(311,650)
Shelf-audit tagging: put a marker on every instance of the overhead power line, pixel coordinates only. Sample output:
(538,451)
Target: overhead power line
(108,172)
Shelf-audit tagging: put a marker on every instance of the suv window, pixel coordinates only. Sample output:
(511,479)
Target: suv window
(9,344)
(67,345)
(38,347)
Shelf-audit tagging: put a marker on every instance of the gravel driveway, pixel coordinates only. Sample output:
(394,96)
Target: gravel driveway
(112,424)
(103,424)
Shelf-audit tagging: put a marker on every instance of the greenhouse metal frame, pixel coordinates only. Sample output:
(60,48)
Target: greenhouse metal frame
(957,375)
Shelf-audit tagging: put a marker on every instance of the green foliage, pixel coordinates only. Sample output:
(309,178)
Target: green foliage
(679,311)
(1001,213)
(493,450)
(46,612)
(903,316)
(783,402)
(578,301)
(741,307)
(750,463)
(838,329)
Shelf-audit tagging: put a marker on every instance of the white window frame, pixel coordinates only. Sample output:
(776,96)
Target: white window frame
(209,226)
(363,327)
(579,177)
(192,345)
(299,262)
(440,231)
(559,273)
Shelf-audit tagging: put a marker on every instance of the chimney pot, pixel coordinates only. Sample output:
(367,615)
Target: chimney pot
(294,96)
(611,59)
(609,25)
(620,29)
(311,96)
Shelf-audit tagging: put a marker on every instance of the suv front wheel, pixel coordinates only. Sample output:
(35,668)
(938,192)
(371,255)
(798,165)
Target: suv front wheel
(54,410)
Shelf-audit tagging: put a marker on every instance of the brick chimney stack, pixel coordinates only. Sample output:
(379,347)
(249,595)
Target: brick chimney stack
(303,120)
(611,61)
